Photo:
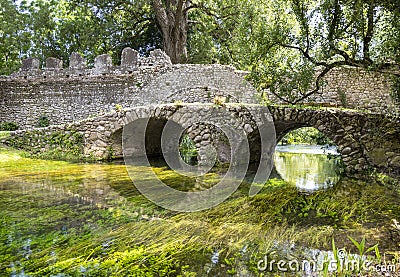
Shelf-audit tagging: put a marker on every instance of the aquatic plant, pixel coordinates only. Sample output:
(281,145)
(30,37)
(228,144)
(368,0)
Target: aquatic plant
(90,220)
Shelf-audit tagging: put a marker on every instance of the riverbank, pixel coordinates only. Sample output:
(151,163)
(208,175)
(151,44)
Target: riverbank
(88,219)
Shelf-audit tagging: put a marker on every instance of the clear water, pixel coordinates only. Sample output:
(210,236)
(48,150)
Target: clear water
(308,167)
(53,212)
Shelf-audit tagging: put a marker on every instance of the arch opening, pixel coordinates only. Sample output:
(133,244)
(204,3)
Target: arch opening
(307,158)
(153,135)
(188,150)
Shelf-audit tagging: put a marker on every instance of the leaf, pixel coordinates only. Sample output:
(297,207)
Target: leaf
(355,242)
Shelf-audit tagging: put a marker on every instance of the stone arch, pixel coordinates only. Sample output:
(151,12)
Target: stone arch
(282,128)
(153,138)
(154,119)
(289,119)
(343,128)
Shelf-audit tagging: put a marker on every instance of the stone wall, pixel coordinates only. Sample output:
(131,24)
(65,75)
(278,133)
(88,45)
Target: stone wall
(355,88)
(69,94)
(77,92)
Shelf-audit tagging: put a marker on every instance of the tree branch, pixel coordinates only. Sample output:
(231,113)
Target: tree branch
(369,33)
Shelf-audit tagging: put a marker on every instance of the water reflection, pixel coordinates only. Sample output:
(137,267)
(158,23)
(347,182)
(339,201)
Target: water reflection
(308,167)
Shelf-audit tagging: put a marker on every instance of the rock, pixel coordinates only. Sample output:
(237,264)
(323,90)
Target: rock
(76,61)
(159,57)
(361,161)
(395,161)
(129,58)
(346,151)
(248,129)
(53,63)
(378,156)
(358,167)
(102,63)
(204,143)
(30,64)
(100,143)
(100,129)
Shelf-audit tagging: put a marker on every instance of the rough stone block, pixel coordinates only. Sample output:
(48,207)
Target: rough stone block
(103,61)
(160,57)
(102,64)
(53,63)
(30,64)
(76,61)
(129,58)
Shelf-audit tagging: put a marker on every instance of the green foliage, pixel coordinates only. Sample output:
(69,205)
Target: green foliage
(4,134)
(110,153)
(8,126)
(303,38)
(43,29)
(219,101)
(306,135)
(395,89)
(118,108)
(336,257)
(361,247)
(43,121)
(59,145)
(283,43)
(187,149)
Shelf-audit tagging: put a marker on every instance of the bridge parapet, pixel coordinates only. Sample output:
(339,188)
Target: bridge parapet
(130,61)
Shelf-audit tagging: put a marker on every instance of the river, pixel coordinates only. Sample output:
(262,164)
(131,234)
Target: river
(75,219)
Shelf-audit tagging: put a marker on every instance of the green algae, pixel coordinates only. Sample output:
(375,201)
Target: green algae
(89,220)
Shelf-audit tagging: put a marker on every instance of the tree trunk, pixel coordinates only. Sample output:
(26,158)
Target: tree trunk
(172,18)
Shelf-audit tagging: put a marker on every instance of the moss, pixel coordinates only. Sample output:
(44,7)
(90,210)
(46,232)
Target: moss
(56,145)
(8,126)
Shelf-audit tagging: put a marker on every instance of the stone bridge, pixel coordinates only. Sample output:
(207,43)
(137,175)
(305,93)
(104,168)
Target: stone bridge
(89,108)
(364,140)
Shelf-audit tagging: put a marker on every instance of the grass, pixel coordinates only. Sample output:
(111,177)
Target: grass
(4,134)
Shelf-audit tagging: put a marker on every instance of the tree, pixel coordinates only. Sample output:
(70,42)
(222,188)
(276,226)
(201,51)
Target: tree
(13,36)
(308,35)
(172,19)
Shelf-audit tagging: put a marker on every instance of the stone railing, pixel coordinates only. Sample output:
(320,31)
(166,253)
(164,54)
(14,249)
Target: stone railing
(130,61)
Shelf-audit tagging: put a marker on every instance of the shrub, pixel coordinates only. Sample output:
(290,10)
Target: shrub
(8,126)
(43,121)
